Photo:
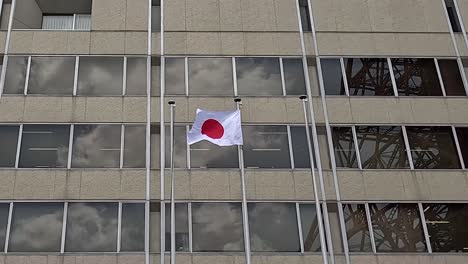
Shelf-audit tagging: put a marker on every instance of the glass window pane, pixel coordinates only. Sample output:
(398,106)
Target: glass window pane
(266,147)
(133,227)
(180,147)
(462,134)
(416,77)
(447,228)
(36,227)
(155,227)
(100,76)
(258,76)
(217,227)
(345,151)
(205,154)
(310,228)
(210,76)
(135,146)
(51,75)
(432,148)
(44,146)
(91,227)
(300,147)
(155,76)
(453,17)
(368,76)
(273,227)
(357,229)
(9,142)
(4,212)
(397,228)
(451,77)
(155,15)
(175,76)
(381,147)
(304,12)
(96,146)
(294,77)
(181,227)
(332,77)
(15,75)
(136,76)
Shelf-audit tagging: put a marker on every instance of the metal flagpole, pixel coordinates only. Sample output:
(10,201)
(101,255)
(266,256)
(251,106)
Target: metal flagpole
(314,181)
(172,105)
(240,151)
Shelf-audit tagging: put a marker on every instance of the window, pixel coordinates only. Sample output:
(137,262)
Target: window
(416,77)
(452,15)
(258,76)
(357,229)
(51,75)
(134,146)
(205,154)
(294,77)
(432,148)
(450,73)
(100,76)
(4,212)
(381,147)
(180,147)
(155,227)
(136,76)
(332,77)
(181,227)
(36,227)
(8,141)
(133,227)
(310,227)
(462,135)
(44,146)
(15,75)
(91,227)
(304,12)
(345,151)
(210,76)
(368,76)
(96,146)
(155,76)
(280,235)
(300,148)
(175,76)
(446,225)
(397,228)
(155,15)
(266,147)
(66,22)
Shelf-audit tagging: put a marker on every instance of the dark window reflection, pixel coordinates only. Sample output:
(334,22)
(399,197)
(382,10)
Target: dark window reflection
(217,227)
(357,229)
(175,76)
(300,147)
(8,143)
(155,15)
(180,147)
(453,17)
(368,76)
(447,227)
(52,75)
(91,227)
(136,76)
(4,212)
(96,146)
(100,76)
(305,19)
(433,148)
(273,227)
(36,227)
(44,146)
(135,146)
(416,77)
(345,151)
(205,154)
(332,77)
(294,77)
(133,227)
(451,77)
(155,76)
(462,134)
(397,228)
(381,147)
(15,75)
(210,76)
(181,227)
(258,76)
(310,227)
(266,147)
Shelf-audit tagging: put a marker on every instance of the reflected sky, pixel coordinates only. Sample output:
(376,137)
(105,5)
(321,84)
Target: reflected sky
(175,76)
(181,227)
(258,76)
(15,75)
(133,227)
(136,76)
(210,76)
(135,146)
(205,154)
(51,75)
(266,147)
(100,75)
(294,76)
(8,141)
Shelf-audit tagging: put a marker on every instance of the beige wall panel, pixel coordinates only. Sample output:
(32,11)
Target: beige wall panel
(11,108)
(270,185)
(107,43)
(458,110)
(461,44)
(286,15)
(136,15)
(133,184)
(230,18)
(258,15)
(49,42)
(110,184)
(21,42)
(232,43)
(7,186)
(202,15)
(174,15)
(156,108)
(175,43)
(156,43)
(2,39)
(134,109)
(136,43)
(109,14)
(217,259)
(309,44)
(291,259)
(79,42)
(52,109)
(204,43)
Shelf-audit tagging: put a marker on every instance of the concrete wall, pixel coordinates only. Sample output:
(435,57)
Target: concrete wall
(110,15)
(27,15)
(74,259)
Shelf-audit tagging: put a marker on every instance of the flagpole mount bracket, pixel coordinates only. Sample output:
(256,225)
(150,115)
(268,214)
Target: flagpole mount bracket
(237,100)
(303,97)
(171,102)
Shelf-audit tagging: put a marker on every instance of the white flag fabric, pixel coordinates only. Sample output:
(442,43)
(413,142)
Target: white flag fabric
(222,128)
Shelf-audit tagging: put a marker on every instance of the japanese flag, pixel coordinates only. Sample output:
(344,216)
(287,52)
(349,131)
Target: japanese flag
(220,128)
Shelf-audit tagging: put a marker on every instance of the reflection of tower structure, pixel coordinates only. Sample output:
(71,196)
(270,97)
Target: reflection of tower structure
(368,76)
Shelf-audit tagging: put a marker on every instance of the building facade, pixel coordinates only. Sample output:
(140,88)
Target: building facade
(84,146)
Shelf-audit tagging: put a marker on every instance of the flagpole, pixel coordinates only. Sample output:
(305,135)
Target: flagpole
(172,105)
(314,181)
(240,151)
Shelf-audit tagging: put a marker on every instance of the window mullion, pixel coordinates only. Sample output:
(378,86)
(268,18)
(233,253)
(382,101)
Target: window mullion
(8,230)
(64,227)
(392,76)
(439,75)
(186,76)
(122,145)
(189,165)
(458,147)
(18,146)
(291,153)
(283,82)
(189,208)
(124,77)
(408,147)
(234,76)
(371,229)
(299,227)
(70,146)
(424,226)
(356,147)
(28,72)
(345,78)
(75,80)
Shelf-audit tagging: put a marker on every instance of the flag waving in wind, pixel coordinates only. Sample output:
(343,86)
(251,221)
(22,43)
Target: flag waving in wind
(220,128)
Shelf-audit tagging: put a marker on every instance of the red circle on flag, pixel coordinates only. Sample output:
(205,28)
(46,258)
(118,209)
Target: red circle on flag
(213,129)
